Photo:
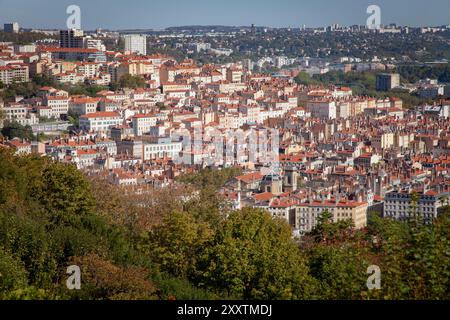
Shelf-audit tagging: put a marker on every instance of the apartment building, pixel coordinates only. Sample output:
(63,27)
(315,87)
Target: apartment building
(308,214)
(399,204)
(20,113)
(136,44)
(71,38)
(82,106)
(322,109)
(59,106)
(14,73)
(100,121)
(387,81)
(163,147)
(11,27)
(142,123)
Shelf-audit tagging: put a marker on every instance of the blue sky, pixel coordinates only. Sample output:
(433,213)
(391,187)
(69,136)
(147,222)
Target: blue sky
(122,14)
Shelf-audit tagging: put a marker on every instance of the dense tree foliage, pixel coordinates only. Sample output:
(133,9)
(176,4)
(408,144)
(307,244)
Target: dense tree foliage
(185,243)
(363,83)
(47,217)
(413,46)
(30,89)
(132,82)
(253,256)
(24,37)
(14,129)
(24,89)
(413,73)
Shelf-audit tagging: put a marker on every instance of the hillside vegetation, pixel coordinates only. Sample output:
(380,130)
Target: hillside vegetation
(181,244)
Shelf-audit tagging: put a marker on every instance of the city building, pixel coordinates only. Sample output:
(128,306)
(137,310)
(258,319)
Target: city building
(14,73)
(387,81)
(71,38)
(399,205)
(136,44)
(100,121)
(142,123)
(161,148)
(308,214)
(11,27)
(323,109)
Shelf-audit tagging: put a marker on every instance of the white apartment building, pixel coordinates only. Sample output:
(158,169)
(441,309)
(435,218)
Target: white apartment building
(100,121)
(90,43)
(322,109)
(44,111)
(69,77)
(142,123)
(13,73)
(399,205)
(58,105)
(164,147)
(83,106)
(89,69)
(136,44)
(20,113)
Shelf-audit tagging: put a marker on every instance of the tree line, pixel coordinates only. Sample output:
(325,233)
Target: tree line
(186,242)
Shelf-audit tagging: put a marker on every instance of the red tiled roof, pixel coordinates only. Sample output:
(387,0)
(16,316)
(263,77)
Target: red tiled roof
(101,115)
(250,177)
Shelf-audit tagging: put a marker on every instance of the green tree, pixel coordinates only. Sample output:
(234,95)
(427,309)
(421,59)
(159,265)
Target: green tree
(132,82)
(102,279)
(14,129)
(339,270)
(414,258)
(65,193)
(326,230)
(13,274)
(254,257)
(176,244)
(305,79)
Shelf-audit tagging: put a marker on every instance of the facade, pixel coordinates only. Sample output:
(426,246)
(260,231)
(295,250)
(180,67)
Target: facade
(82,106)
(97,44)
(20,113)
(304,216)
(130,147)
(71,38)
(11,27)
(308,214)
(142,123)
(322,109)
(14,73)
(99,121)
(163,147)
(399,205)
(136,44)
(387,81)
(59,106)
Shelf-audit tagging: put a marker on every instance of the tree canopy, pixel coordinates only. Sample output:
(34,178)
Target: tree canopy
(185,243)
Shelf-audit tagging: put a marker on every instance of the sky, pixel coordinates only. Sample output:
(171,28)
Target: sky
(158,14)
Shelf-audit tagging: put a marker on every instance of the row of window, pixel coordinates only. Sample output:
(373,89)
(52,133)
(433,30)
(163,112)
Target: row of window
(163,148)
(99,123)
(406,214)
